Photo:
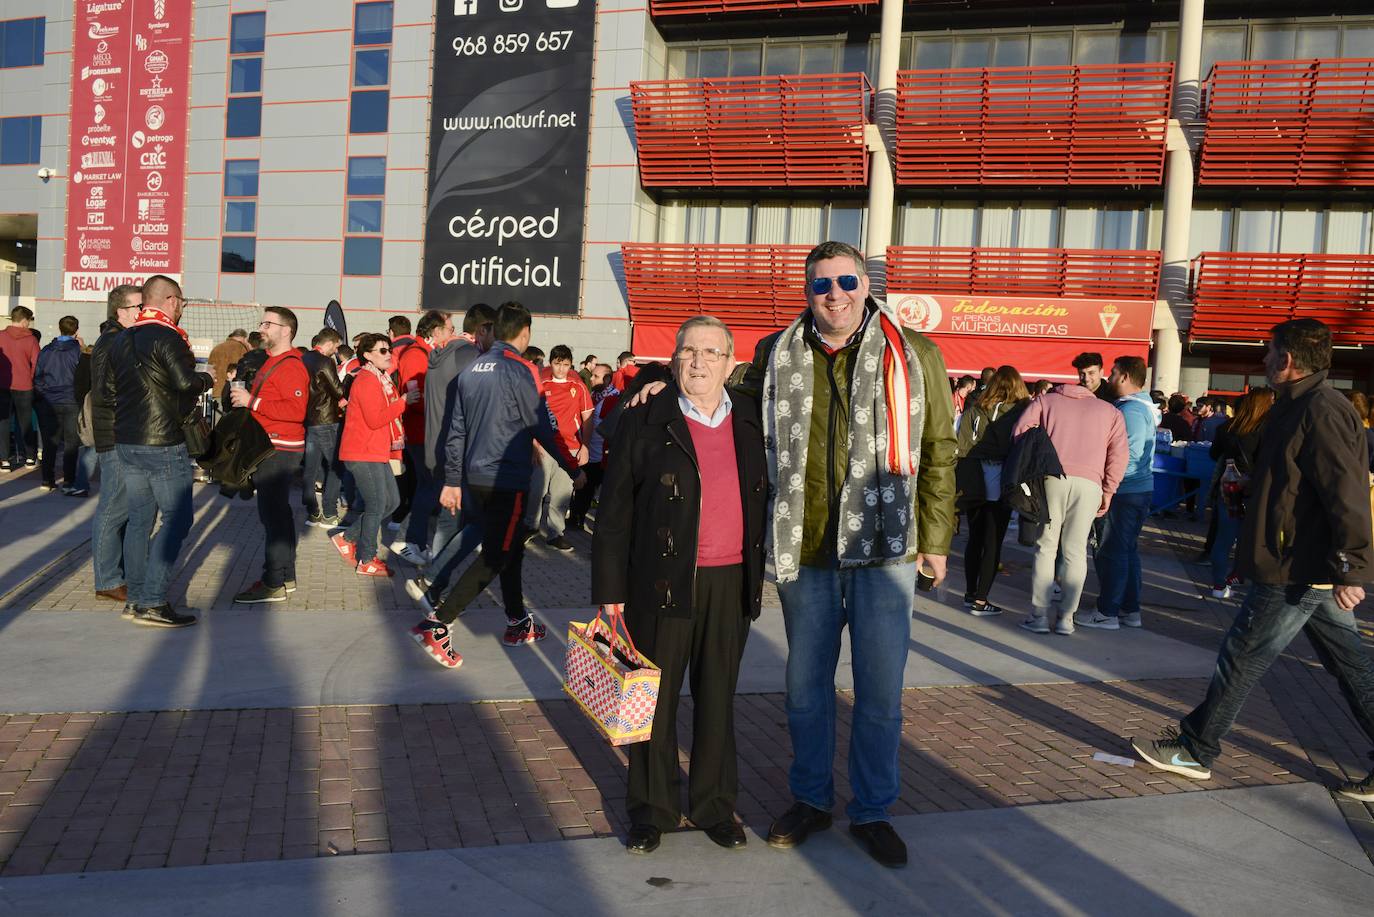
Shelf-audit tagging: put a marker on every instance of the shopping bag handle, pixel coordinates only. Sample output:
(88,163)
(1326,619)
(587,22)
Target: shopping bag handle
(616,613)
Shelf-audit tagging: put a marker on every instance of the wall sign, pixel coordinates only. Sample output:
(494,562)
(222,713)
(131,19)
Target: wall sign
(126,169)
(1025,316)
(508,153)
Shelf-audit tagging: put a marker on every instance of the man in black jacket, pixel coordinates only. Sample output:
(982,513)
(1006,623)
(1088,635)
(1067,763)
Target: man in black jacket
(1304,545)
(112,510)
(154,387)
(689,582)
(322,431)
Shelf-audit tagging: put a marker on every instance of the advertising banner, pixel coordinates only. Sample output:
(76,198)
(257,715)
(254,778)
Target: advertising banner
(508,153)
(1025,316)
(126,170)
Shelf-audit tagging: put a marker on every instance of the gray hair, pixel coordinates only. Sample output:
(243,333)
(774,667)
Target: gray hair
(827,250)
(705,321)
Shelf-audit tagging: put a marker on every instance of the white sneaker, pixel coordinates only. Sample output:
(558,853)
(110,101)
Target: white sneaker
(410,553)
(1223,593)
(418,589)
(1064,626)
(1036,624)
(1096,619)
(1131,619)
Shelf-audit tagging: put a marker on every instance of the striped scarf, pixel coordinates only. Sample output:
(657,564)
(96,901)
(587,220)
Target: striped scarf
(877,522)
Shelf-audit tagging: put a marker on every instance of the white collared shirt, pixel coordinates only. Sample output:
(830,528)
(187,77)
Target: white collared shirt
(692,412)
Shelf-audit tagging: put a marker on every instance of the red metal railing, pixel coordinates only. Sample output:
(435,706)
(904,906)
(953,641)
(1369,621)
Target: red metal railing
(697,7)
(1089,125)
(1064,272)
(1239,296)
(791,131)
(1289,123)
(747,286)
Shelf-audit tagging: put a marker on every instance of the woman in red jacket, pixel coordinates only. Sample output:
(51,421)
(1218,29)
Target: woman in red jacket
(370,449)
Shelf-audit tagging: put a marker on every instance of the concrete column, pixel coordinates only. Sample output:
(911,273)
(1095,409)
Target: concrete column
(881,192)
(1172,310)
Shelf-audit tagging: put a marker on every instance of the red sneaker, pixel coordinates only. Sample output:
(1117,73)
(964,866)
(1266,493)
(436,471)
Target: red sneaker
(347,549)
(373,567)
(433,637)
(527,631)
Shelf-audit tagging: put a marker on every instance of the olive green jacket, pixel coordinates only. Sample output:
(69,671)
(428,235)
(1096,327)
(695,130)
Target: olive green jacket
(827,458)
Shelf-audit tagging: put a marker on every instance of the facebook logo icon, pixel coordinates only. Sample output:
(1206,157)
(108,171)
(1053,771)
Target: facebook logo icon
(465,7)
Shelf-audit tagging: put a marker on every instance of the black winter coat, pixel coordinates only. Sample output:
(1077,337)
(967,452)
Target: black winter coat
(102,407)
(645,547)
(1033,458)
(322,407)
(153,385)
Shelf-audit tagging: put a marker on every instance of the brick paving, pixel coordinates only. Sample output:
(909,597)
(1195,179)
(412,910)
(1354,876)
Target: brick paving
(87,792)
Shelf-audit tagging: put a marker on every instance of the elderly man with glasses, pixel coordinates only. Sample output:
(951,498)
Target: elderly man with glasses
(859,424)
(688,574)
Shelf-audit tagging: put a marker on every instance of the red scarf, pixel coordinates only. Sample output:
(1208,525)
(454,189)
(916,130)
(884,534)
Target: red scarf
(398,436)
(150,316)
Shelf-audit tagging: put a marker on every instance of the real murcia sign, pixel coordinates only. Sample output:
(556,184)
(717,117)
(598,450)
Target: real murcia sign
(1024,316)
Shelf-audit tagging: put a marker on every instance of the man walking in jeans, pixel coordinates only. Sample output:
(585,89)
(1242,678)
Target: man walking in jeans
(154,386)
(1118,553)
(277,399)
(322,465)
(112,510)
(499,413)
(1305,546)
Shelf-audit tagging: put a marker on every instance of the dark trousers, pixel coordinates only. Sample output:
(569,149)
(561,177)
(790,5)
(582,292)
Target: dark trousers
(405,486)
(57,425)
(987,526)
(322,467)
(503,553)
(707,648)
(16,411)
(582,499)
(1269,619)
(273,483)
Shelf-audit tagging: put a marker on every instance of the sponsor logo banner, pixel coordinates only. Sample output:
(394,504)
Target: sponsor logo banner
(131,70)
(1025,316)
(508,151)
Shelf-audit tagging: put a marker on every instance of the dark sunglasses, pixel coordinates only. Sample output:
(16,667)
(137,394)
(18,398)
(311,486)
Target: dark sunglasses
(820,286)
(380,350)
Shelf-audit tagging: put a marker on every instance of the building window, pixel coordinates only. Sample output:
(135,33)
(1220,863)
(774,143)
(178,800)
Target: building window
(363,226)
(372,24)
(246,33)
(243,112)
(21,43)
(369,107)
(238,251)
(20,140)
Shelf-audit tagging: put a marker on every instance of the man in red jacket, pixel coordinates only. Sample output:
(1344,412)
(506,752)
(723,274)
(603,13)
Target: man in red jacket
(433,332)
(278,397)
(18,356)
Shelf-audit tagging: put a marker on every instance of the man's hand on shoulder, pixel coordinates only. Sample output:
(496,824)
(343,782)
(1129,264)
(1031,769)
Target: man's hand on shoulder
(643,395)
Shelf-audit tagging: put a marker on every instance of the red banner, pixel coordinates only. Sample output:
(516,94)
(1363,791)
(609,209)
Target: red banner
(1025,316)
(126,188)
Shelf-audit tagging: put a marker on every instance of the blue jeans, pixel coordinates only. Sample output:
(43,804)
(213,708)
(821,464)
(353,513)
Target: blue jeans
(456,537)
(321,462)
(17,406)
(1228,531)
(1118,554)
(1269,619)
(875,602)
(111,518)
(85,467)
(157,479)
(377,485)
(57,424)
(425,499)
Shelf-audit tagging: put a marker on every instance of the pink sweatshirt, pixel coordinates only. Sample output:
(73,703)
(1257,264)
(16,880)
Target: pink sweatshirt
(1089,434)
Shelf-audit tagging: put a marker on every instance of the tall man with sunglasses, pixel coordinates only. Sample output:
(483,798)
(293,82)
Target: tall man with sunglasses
(858,423)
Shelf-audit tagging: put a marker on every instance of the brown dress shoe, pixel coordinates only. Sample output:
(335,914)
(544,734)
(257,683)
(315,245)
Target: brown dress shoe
(117,594)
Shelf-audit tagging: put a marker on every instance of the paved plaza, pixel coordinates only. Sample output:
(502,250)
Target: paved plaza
(306,758)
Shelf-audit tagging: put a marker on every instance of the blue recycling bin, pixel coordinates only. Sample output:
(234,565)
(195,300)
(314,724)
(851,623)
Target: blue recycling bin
(1168,480)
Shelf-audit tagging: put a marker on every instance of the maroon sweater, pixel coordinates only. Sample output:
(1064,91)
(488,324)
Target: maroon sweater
(720,536)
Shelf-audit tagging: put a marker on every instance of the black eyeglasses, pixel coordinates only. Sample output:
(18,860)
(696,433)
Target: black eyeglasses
(820,286)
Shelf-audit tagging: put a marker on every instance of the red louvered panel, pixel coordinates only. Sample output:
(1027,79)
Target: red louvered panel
(659,8)
(1289,123)
(788,131)
(1063,272)
(1239,296)
(746,286)
(1088,125)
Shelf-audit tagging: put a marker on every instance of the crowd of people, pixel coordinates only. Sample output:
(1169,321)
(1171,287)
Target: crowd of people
(835,463)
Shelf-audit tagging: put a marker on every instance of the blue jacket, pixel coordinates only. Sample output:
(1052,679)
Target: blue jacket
(1141,420)
(499,411)
(54,375)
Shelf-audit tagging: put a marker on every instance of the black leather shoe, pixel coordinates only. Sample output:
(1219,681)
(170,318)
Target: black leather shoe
(643,839)
(882,842)
(728,834)
(793,826)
